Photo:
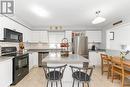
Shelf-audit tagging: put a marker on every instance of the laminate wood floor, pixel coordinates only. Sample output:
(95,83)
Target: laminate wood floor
(36,79)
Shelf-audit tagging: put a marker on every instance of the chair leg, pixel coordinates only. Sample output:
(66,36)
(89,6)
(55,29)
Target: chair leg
(88,84)
(83,84)
(78,84)
(109,72)
(73,82)
(56,84)
(112,75)
(60,83)
(51,84)
(47,84)
(102,67)
(122,81)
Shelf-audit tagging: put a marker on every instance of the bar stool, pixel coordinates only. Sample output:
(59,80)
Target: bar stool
(81,75)
(54,74)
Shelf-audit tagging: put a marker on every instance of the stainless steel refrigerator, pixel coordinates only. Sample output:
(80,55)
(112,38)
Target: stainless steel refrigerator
(80,45)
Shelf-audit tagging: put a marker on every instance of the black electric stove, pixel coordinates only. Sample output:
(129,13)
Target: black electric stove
(20,63)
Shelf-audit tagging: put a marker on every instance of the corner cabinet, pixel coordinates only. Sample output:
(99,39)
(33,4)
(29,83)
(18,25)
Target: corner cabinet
(94,36)
(6,73)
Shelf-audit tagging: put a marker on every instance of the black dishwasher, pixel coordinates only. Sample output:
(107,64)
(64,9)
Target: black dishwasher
(41,55)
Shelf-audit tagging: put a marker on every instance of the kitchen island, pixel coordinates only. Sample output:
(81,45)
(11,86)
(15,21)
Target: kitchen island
(55,59)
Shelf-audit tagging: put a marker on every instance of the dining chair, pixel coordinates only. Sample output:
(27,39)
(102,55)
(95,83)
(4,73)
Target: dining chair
(118,67)
(54,74)
(81,75)
(105,64)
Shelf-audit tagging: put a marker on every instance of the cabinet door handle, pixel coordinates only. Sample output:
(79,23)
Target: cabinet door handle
(19,74)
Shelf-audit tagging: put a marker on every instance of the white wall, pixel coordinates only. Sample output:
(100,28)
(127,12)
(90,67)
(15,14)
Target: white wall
(121,37)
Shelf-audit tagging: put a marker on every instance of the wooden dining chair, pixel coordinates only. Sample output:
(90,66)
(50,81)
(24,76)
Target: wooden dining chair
(105,64)
(118,67)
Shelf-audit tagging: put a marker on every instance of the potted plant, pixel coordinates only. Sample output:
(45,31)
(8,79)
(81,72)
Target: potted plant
(123,54)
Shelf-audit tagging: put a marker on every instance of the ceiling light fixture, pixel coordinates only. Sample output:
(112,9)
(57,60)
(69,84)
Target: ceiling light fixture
(98,18)
(53,28)
(40,11)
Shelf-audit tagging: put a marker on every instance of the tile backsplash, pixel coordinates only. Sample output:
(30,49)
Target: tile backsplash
(41,45)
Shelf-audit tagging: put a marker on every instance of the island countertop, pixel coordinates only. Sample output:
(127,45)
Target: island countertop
(56,57)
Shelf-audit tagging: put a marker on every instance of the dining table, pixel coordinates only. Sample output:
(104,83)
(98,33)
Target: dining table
(126,62)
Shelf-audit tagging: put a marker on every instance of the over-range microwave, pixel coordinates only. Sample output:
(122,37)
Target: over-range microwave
(12,36)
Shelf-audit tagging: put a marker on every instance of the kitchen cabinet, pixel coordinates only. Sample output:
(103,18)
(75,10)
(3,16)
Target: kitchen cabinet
(68,35)
(6,73)
(94,36)
(27,36)
(33,60)
(40,36)
(45,36)
(30,61)
(94,58)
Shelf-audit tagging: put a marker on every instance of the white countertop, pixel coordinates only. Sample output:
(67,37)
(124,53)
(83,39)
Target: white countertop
(57,58)
(4,58)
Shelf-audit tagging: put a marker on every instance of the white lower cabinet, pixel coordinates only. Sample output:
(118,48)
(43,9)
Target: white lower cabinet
(94,58)
(6,73)
(33,60)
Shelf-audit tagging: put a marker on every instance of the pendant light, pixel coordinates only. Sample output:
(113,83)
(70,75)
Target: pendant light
(98,18)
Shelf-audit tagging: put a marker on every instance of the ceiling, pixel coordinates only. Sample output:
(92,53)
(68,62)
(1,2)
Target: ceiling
(71,14)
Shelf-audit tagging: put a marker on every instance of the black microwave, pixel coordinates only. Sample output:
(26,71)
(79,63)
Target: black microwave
(12,36)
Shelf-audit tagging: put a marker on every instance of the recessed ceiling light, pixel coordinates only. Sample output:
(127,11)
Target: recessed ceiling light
(40,11)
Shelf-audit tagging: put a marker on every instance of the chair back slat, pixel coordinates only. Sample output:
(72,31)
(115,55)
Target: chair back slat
(104,57)
(80,70)
(117,63)
(48,71)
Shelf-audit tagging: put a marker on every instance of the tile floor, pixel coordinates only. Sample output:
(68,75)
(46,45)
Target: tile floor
(36,79)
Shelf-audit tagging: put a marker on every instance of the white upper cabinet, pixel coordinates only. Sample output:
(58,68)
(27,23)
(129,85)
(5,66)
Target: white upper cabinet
(68,35)
(27,35)
(45,36)
(94,36)
(40,36)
